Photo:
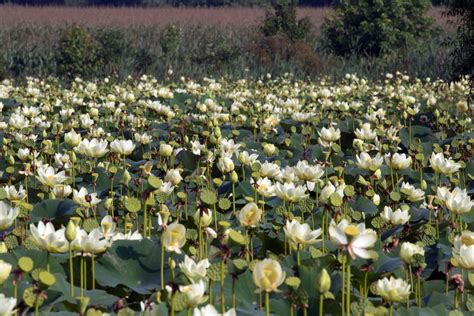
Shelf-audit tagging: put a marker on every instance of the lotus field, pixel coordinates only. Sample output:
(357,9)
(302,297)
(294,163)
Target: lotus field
(236,197)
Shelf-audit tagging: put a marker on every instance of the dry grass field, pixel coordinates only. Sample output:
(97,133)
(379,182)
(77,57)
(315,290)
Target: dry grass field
(11,16)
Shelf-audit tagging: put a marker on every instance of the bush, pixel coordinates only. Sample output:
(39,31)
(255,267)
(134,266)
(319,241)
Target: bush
(374,27)
(114,48)
(78,54)
(463,56)
(284,20)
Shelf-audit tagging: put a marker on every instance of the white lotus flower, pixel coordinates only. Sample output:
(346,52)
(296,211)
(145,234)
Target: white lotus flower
(365,161)
(94,148)
(194,271)
(46,237)
(8,214)
(393,290)
(443,165)
(210,310)
(268,276)
(269,170)
(398,161)
(365,133)
(48,176)
(174,237)
(173,176)
(5,270)
(300,234)
(195,293)
(329,135)
(308,173)
(83,198)
(122,147)
(264,187)
(289,192)
(457,201)
(408,250)
(413,194)
(250,215)
(7,305)
(355,239)
(225,164)
(13,194)
(398,217)
(247,159)
(92,243)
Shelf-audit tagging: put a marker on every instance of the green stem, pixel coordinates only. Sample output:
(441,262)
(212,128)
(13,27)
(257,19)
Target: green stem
(162,273)
(343,297)
(71,271)
(321,302)
(348,293)
(93,271)
(222,287)
(267,303)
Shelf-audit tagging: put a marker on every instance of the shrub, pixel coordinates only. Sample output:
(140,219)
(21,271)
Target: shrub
(284,20)
(113,48)
(169,39)
(78,53)
(463,57)
(374,27)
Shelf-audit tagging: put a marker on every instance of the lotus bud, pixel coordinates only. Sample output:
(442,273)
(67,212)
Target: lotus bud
(234,177)
(376,199)
(436,113)
(269,149)
(71,231)
(73,157)
(166,150)
(11,160)
(126,178)
(3,247)
(378,174)
(72,138)
(172,263)
(94,112)
(217,132)
(108,203)
(461,106)
(186,139)
(213,139)
(164,213)
(424,185)
(323,282)
(44,134)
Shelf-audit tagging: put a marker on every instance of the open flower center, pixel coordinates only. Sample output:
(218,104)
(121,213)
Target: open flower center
(352,230)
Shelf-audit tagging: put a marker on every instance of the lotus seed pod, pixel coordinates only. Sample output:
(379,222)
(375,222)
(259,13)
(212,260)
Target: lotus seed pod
(71,231)
(323,282)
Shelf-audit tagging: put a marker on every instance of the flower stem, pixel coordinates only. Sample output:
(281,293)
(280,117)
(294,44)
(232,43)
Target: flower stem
(222,287)
(71,271)
(321,304)
(348,293)
(267,303)
(162,273)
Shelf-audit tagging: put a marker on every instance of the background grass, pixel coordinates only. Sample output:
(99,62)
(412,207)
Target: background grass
(211,42)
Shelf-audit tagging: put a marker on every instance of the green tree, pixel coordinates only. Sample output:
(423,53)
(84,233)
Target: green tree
(374,27)
(284,20)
